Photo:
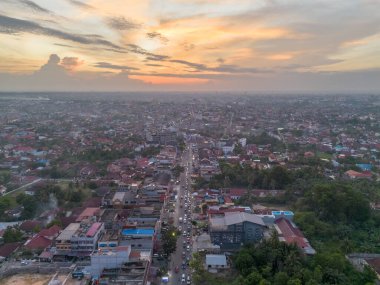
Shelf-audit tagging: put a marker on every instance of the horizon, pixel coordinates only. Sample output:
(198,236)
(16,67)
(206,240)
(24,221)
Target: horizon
(190,46)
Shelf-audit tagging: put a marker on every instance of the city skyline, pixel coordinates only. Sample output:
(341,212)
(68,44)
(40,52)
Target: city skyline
(199,45)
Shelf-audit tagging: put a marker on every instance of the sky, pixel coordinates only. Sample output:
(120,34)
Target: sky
(190,45)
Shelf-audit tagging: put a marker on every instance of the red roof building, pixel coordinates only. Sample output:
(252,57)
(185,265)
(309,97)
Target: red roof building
(38,242)
(290,234)
(51,232)
(7,249)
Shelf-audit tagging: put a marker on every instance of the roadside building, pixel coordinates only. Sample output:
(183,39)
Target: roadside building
(235,229)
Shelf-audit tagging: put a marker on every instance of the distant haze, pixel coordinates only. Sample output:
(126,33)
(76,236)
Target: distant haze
(190,45)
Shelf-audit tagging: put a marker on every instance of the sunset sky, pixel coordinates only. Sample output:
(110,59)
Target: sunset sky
(214,45)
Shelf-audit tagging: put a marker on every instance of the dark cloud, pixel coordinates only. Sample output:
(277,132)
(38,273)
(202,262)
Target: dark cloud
(153,64)
(157,35)
(62,45)
(81,4)
(197,66)
(108,65)
(150,56)
(121,23)
(33,6)
(10,25)
(52,68)
(236,69)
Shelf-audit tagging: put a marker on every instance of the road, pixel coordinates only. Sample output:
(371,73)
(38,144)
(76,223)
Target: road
(182,254)
(23,186)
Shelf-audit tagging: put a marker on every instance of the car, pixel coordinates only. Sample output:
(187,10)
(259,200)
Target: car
(183,253)
(188,248)
(184,265)
(176,269)
(183,279)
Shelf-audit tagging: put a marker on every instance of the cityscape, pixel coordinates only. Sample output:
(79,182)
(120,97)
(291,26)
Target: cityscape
(189,142)
(189,190)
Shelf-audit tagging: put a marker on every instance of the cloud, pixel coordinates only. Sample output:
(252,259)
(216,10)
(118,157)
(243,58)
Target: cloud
(197,66)
(81,4)
(33,6)
(108,65)
(10,25)
(157,35)
(71,62)
(150,56)
(53,76)
(120,23)
(153,64)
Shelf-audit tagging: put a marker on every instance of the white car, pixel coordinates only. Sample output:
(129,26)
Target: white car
(183,277)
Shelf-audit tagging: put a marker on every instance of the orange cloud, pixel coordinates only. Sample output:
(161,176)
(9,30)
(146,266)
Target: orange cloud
(158,80)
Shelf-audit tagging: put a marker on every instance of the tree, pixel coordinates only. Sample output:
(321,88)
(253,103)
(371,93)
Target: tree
(295,281)
(281,278)
(5,203)
(12,234)
(244,262)
(196,264)
(177,170)
(169,240)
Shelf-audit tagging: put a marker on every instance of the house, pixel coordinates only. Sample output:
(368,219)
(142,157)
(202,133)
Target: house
(352,174)
(30,226)
(7,249)
(290,234)
(235,229)
(38,243)
(216,261)
(88,213)
(118,199)
(374,263)
(237,193)
(51,232)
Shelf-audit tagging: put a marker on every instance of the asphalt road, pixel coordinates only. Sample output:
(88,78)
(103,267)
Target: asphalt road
(177,257)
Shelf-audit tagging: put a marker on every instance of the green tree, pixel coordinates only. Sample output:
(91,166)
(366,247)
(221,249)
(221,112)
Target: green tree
(244,262)
(169,240)
(281,278)
(12,234)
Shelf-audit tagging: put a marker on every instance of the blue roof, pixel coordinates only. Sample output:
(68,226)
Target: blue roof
(134,232)
(286,213)
(364,166)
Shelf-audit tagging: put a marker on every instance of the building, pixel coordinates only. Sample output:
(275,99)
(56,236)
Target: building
(290,234)
(103,259)
(216,261)
(235,229)
(79,239)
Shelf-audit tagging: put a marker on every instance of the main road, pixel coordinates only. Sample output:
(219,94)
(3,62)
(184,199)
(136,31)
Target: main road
(177,258)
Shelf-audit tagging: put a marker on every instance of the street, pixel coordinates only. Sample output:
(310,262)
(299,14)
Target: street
(183,217)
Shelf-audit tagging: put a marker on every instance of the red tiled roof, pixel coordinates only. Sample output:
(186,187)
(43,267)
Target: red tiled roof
(7,249)
(237,192)
(38,242)
(50,232)
(374,263)
(290,233)
(29,226)
(86,213)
